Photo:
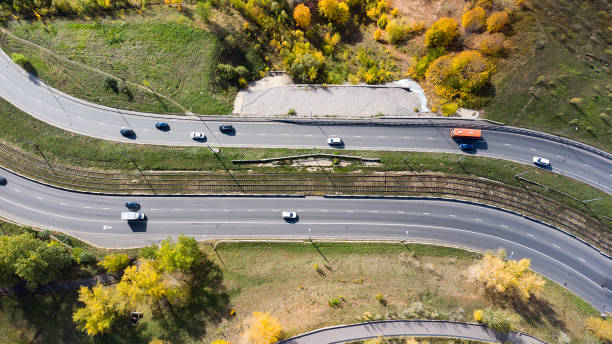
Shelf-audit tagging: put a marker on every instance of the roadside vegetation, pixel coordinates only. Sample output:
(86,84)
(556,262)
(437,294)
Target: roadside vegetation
(235,300)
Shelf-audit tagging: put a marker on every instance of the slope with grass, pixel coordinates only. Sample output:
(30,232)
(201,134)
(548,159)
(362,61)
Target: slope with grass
(171,58)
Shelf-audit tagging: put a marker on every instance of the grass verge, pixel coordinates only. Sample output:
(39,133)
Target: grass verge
(168,56)
(296,281)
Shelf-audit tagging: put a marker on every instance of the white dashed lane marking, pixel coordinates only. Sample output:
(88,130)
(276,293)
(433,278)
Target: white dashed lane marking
(531,235)
(557,246)
(478,220)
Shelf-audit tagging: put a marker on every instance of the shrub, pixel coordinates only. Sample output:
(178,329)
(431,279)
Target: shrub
(334,11)
(395,12)
(474,19)
(202,9)
(115,262)
(380,298)
(148,252)
(441,33)
(378,34)
(417,71)
(604,117)
(496,320)
(449,109)
(397,31)
(498,21)
(383,21)
(263,328)
(111,84)
(292,112)
(478,315)
(492,45)
(242,82)
(301,15)
(82,256)
(334,302)
(575,101)
(226,73)
(24,63)
(307,68)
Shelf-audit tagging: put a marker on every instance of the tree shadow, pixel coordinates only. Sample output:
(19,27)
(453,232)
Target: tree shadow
(534,310)
(208,304)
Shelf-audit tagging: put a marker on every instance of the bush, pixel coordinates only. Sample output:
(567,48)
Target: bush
(115,262)
(418,70)
(202,9)
(226,73)
(378,34)
(292,112)
(600,328)
(23,61)
(449,109)
(380,298)
(148,252)
(496,320)
(492,45)
(397,31)
(307,68)
(111,84)
(263,329)
(575,101)
(478,315)
(474,19)
(301,15)
(334,302)
(382,21)
(441,33)
(334,11)
(498,21)
(82,256)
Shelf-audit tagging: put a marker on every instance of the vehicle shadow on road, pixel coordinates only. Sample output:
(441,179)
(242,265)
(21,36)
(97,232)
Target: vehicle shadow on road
(138,226)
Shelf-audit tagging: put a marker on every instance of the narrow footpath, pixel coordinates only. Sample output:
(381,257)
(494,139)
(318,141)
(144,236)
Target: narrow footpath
(409,328)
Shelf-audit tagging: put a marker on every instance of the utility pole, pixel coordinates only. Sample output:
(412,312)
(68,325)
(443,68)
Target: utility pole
(39,151)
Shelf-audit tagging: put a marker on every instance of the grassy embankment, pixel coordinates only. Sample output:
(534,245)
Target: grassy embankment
(81,151)
(558,76)
(416,281)
(167,55)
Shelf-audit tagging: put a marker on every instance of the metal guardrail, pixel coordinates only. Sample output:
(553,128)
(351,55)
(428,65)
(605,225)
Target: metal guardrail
(306,156)
(390,184)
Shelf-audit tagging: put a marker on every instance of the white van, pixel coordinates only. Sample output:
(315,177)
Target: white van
(132,216)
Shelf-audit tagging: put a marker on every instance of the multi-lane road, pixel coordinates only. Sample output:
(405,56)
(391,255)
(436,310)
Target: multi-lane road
(61,110)
(95,218)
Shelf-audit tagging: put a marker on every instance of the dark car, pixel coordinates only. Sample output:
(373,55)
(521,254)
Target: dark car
(132,205)
(127,132)
(466,146)
(226,128)
(2,181)
(162,126)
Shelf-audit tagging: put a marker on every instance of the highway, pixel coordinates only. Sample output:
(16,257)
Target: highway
(58,109)
(95,218)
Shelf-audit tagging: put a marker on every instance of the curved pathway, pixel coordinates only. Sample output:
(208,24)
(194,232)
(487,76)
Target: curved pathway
(409,328)
(95,219)
(56,108)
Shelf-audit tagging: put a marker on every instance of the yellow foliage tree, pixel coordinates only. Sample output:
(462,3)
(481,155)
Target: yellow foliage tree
(508,277)
(478,315)
(263,328)
(492,45)
(498,21)
(378,34)
(142,284)
(220,341)
(602,329)
(115,262)
(334,11)
(301,15)
(474,19)
(441,33)
(101,308)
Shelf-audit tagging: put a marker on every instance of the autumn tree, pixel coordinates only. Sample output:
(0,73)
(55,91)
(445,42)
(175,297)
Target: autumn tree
(600,328)
(474,19)
(378,34)
(220,341)
(509,277)
(263,328)
(441,33)
(301,15)
(102,308)
(179,255)
(334,10)
(115,262)
(498,21)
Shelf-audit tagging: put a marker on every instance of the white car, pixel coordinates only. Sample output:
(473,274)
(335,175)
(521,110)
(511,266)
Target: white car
(334,141)
(198,135)
(538,160)
(289,215)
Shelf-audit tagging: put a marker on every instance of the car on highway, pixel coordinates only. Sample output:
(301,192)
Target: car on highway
(226,128)
(162,126)
(334,141)
(127,132)
(2,180)
(198,136)
(467,147)
(538,160)
(289,215)
(132,205)
(132,216)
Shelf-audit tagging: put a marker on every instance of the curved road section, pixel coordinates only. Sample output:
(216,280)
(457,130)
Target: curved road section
(409,328)
(56,108)
(96,219)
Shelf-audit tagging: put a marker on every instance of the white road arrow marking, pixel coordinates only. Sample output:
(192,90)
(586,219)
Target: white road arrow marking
(105,227)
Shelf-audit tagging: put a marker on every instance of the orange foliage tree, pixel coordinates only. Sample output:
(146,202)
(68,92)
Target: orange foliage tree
(301,15)
(441,33)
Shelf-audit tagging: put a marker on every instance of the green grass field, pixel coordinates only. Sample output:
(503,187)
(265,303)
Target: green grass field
(280,278)
(559,54)
(174,59)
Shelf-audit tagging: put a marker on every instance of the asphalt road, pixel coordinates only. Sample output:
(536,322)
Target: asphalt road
(63,111)
(409,328)
(96,219)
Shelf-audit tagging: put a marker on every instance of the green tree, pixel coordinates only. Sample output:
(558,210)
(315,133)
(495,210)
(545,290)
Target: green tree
(179,255)
(115,262)
(307,68)
(148,252)
(202,9)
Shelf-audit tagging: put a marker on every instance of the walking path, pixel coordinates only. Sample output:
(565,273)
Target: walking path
(410,328)
(62,287)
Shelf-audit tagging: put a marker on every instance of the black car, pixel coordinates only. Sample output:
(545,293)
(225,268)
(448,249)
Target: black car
(162,126)
(226,128)
(132,205)
(127,132)
(2,181)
